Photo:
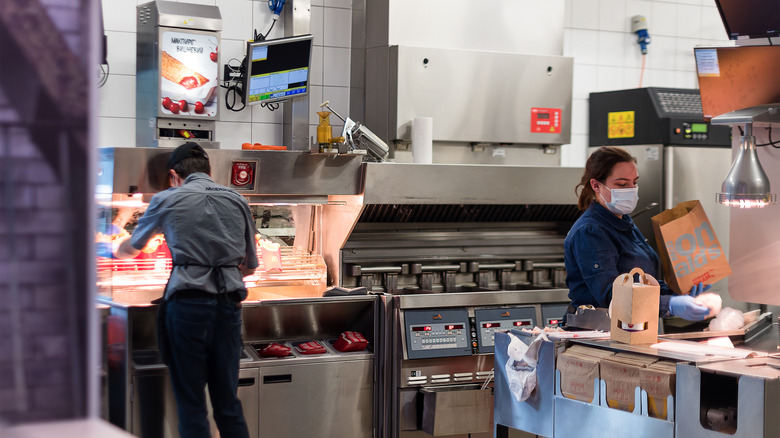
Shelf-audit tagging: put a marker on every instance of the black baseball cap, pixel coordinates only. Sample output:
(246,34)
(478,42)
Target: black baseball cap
(187,150)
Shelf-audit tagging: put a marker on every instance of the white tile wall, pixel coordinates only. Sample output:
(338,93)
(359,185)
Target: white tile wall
(607,57)
(597,35)
(330,24)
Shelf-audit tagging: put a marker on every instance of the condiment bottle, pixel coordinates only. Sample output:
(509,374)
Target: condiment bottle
(324,130)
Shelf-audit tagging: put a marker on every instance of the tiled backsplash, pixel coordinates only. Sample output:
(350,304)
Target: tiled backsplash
(597,35)
(330,25)
(607,57)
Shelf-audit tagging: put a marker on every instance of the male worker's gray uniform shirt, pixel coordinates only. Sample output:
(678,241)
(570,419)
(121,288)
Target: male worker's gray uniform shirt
(207,227)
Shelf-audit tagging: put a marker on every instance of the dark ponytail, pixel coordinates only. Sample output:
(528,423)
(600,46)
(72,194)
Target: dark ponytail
(598,167)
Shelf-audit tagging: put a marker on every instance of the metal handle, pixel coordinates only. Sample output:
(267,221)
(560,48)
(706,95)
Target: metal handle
(497,265)
(279,378)
(246,381)
(435,268)
(542,265)
(381,269)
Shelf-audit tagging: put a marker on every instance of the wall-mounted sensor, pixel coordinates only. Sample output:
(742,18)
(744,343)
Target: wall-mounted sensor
(639,27)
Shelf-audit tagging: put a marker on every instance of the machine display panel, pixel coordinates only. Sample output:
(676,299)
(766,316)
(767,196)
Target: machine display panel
(552,314)
(277,69)
(491,320)
(437,333)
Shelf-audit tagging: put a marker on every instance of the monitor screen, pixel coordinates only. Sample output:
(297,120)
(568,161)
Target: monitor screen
(750,18)
(277,69)
(732,78)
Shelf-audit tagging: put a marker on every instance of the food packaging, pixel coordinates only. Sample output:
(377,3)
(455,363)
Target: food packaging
(688,247)
(712,301)
(635,308)
(350,341)
(311,347)
(275,349)
(621,377)
(658,380)
(579,367)
(727,319)
(272,256)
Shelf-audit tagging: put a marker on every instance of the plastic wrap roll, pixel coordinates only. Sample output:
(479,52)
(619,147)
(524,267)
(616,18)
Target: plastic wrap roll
(422,140)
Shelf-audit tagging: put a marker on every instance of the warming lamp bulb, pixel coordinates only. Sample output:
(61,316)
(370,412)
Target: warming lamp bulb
(746,185)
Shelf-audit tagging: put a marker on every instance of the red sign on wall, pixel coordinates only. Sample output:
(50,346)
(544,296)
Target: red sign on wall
(546,120)
(242,174)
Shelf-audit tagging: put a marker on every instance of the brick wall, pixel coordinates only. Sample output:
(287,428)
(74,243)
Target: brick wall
(44,204)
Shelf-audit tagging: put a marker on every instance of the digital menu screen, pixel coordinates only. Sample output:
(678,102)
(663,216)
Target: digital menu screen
(422,328)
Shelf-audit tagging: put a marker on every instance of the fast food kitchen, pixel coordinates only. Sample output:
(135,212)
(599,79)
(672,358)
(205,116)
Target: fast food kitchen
(428,235)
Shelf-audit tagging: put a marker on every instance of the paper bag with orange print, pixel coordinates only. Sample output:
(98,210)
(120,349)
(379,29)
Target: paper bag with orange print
(689,249)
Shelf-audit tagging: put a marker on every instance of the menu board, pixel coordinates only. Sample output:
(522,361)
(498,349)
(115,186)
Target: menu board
(189,69)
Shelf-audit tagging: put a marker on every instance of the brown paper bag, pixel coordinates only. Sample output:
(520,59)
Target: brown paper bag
(635,308)
(688,247)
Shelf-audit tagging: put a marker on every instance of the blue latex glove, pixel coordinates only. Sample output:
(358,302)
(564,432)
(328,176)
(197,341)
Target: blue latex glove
(105,249)
(699,288)
(111,229)
(685,307)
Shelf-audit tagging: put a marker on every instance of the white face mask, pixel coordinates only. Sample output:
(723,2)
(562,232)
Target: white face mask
(623,200)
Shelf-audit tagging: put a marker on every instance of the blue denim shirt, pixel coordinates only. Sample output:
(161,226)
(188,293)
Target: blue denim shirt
(208,228)
(599,247)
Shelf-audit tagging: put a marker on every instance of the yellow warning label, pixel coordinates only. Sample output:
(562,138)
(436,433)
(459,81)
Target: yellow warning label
(620,124)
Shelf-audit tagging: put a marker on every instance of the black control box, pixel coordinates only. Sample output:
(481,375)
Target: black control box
(640,116)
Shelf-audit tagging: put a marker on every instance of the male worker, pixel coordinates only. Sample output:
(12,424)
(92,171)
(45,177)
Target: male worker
(210,232)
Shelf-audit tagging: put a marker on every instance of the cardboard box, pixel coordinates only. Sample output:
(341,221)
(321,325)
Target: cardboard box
(658,380)
(621,376)
(635,308)
(688,247)
(579,367)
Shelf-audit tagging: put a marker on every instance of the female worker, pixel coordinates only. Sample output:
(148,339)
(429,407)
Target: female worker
(604,242)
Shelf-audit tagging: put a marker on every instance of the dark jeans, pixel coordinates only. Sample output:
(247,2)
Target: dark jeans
(204,335)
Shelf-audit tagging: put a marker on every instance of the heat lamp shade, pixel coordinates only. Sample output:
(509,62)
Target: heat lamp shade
(746,184)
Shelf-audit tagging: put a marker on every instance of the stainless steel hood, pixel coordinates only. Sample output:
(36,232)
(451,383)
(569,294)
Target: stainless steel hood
(279,176)
(395,183)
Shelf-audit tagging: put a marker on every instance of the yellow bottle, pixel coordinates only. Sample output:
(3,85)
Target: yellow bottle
(324,130)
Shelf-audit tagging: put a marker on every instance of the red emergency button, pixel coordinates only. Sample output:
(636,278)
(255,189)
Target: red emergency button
(242,174)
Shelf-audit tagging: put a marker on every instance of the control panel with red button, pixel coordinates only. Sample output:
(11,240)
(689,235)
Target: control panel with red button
(242,175)
(692,131)
(546,120)
(488,321)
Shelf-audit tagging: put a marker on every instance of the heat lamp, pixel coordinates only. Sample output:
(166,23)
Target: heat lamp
(746,185)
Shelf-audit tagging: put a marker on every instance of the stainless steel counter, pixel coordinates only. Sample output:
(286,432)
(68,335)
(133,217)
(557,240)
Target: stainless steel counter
(748,389)
(275,393)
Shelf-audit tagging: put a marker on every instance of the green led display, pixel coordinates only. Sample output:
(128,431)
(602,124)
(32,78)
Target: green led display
(699,128)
